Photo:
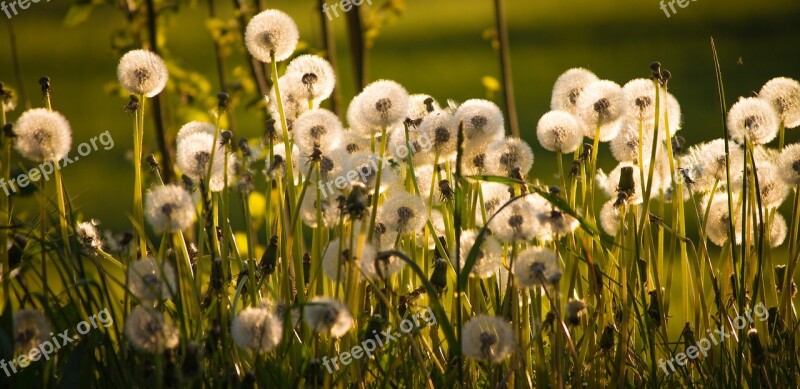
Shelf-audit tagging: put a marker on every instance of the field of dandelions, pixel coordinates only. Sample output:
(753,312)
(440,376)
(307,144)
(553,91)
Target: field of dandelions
(409,209)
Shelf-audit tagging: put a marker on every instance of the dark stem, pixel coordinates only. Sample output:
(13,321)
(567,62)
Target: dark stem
(223,83)
(158,115)
(12,38)
(505,66)
(329,45)
(358,55)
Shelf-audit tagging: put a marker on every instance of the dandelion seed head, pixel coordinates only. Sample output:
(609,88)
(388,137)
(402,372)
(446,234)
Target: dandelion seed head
(537,267)
(403,212)
(784,94)
(353,142)
(754,119)
(142,72)
(516,222)
(271,31)
(170,207)
(441,128)
(195,127)
(419,105)
(327,316)
(257,329)
(339,261)
(487,338)
(640,98)
(490,254)
(42,135)
(375,268)
(482,120)
(504,155)
(718,225)
(150,281)
(789,164)
(777,230)
(573,311)
(473,162)
(327,206)
(149,330)
(558,222)
(610,183)
(437,220)
(293,101)
(88,235)
(31,328)
(559,131)
(315,74)
(418,146)
(383,103)
(625,146)
(494,196)
(568,87)
(318,128)
(277,166)
(610,218)
(366,165)
(602,103)
(425,177)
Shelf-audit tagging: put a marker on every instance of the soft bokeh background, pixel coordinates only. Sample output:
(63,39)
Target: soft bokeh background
(435,46)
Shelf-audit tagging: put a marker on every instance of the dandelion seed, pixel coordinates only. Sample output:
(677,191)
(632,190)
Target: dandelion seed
(516,222)
(441,128)
(610,218)
(170,207)
(754,119)
(318,128)
(537,267)
(31,328)
(88,235)
(327,316)
(315,74)
(192,128)
(42,135)
(403,212)
(271,31)
(788,164)
(150,331)
(568,87)
(559,131)
(573,311)
(487,338)
(505,155)
(151,282)
(640,98)
(490,254)
(482,120)
(625,146)
(602,104)
(784,94)
(142,72)
(383,103)
(327,206)
(257,329)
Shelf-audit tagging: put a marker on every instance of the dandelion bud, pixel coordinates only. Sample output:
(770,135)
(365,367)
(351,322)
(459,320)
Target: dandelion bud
(784,94)
(246,183)
(8,98)
(429,104)
(757,353)
(439,276)
(225,137)
(43,135)
(627,184)
(150,159)
(44,82)
(774,321)
(487,338)
(132,105)
(142,72)
(606,339)
(244,145)
(188,184)
(559,131)
(654,309)
(656,68)
(753,119)
(8,131)
(665,76)
(271,33)
(222,101)
(574,311)
(269,259)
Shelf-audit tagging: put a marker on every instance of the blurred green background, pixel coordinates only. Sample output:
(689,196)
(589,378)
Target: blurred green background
(434,46)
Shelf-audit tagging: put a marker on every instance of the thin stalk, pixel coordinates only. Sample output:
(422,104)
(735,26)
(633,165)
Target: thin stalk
(505,65)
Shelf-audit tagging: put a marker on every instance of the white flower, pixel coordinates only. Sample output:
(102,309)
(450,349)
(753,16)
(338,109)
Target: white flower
(150,331)
(257,329)
(789,164)
(383,103)
(568,87)
(403,212)
(559,131)
(170,207)
(150,281)
(490,254)
(482,120)
(784,94)
(602,105)
(754,119)
(503,156)
(356,121)
(327,316)
(42,135)
(315,74)
(536,267)
(516,222)
(194,127)
(318,128)
(142,72)
(487,338)
(31,328)
(271,31)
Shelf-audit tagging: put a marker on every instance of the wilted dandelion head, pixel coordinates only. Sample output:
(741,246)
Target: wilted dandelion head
(327,316)
(142,72)
(516,222)
(488,339)
(340,260)
(271,31)
(784,94)
(537,267)
(602,104)
(170,207)
(150,331)
(315,74)
(318,128)
(403,212)
(789,164)
(568,87)
(559,131)
(383,103)
(31,328)
(573,311)
(194,127)
(42,135)
(88,235)
(625,146)
(640,98)
(490,254)
(610,218)
(754,119)
(442,130)
(482,120)
(8,98)
(611,182)
(150,281)
(503,156)
(420,106)
(257,329)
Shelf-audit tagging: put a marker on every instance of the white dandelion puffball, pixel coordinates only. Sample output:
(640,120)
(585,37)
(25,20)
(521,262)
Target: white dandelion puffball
(494,196)
(293,101)
(379,268)
(194,157)
(789,164)
(365,164)
(353,142)
(784,94)
(706,163)
(573,311)
(383,103)
(31,328)
(418,145)
(559,131)
(625,146)
(442,131)
(88,235)
(277,166)
(602,105)
(537,267)
(150,281)
(503,156)
(327,316)
(640,99)
(170,207)
(568,87)
(195,127)
(437,220)
(558,222)
(610,182)
(338,261)
(257,329)
(771,186)
(142,72)
(610,218)
(516,222)
(425,178)
(42,135)
(487,338)
(356,121)
(403,212)
(717,227)
(326,204)
(331,167)
(420,106)
(319,128)
(482,120)
(150,331)
(315,74)
(271,31)
(490,254)
(777,231)
(754,119)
